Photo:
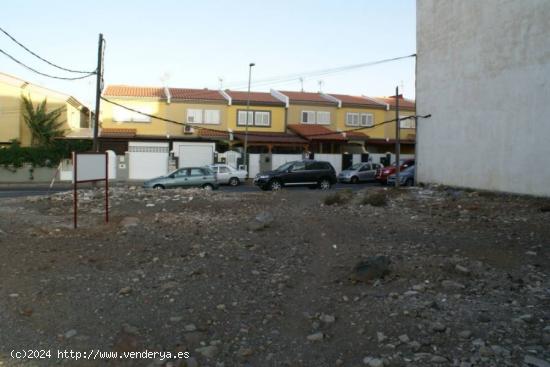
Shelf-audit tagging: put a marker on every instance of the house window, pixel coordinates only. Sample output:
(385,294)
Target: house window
(407,124)
(308,117)
(121,114)
(352,119)
(255,118)
(367,119)
(241,118)
(323,117)
(194,116)
(212,117)
(261,118)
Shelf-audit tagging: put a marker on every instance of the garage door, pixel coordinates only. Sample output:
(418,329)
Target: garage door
(147,160)
(191,155)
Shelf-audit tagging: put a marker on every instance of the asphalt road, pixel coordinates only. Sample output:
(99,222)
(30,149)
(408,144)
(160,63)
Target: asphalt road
(12,191)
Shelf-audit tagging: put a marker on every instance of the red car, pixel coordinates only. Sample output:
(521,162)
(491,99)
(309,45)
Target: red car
(384,172)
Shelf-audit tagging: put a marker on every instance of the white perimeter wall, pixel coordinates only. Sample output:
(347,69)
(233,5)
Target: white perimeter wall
(483,72)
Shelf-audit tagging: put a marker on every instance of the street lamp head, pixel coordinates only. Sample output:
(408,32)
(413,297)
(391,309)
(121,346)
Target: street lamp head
(251,64)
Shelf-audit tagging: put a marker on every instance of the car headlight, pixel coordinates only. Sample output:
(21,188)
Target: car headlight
(262,176)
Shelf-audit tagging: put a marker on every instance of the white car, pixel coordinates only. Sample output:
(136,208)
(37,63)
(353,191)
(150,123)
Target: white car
(228,175)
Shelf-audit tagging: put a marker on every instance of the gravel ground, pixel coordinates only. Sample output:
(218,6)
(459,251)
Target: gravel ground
(271,279)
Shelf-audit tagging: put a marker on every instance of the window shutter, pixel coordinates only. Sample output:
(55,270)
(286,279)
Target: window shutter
(211,116)
(323,117)
(194,116)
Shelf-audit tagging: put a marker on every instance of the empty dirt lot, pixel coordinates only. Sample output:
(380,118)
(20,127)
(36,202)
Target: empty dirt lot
(265,279)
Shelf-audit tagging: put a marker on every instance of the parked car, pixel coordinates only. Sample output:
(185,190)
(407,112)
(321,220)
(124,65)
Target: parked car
(311,173)
(228,175)
(406,177)
(383,173)
(185,177)
(360,172)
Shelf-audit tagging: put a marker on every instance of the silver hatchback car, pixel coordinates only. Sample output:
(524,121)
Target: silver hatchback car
(185,177)
(360,172)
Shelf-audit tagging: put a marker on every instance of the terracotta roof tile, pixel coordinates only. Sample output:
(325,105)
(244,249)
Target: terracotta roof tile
(158,92)
(316,132)
(357,100)
(131,91)
(257,97)
(196,94)
(295,97)
(205,133)
(118,132)
(356,135)
(259,137)
(403,102)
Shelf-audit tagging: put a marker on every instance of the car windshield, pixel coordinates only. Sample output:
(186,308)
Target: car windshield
(356,166)
(285,166)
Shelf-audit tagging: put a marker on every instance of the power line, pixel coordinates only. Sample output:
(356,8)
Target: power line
(162,118)
(252,133)
(44,74)
(43,59)
(297,76)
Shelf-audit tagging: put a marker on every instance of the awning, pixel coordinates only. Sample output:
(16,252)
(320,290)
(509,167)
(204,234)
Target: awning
(316,132)
(323,133)
(118,133)
(275,138)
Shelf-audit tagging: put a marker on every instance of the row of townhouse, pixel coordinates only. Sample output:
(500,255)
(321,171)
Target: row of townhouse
(74,115)
(278,121)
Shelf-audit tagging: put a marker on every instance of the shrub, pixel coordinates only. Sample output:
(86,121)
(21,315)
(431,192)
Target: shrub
(338,198)
(376,198)
(14,156)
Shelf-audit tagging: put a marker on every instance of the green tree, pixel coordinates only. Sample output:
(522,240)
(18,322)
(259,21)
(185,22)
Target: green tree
(44,125)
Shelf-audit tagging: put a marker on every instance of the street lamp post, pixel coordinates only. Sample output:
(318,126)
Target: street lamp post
(247,113)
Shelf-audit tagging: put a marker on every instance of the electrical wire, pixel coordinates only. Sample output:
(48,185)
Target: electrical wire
(43,59)
(296,76)
(44,74)
(255,134)
(293,77)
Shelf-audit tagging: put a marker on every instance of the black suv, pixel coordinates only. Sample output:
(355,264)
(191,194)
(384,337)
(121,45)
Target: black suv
(314,174)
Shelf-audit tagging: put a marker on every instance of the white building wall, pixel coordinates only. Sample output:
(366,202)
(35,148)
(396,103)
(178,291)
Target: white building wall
(483,73)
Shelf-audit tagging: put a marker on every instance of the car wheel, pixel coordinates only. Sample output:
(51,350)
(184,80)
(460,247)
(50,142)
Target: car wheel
(208,187)
(324,184)
(409,182)
(275,185)
(234,181)
(158,187)
(354,180)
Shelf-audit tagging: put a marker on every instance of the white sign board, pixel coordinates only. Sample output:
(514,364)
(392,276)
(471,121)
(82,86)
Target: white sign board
(90,167)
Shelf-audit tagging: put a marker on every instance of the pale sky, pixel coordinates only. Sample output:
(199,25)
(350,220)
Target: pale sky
(197,42)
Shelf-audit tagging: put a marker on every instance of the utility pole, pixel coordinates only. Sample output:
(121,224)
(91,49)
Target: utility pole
(301,84)
(99,77)
(247,113)
(397,137)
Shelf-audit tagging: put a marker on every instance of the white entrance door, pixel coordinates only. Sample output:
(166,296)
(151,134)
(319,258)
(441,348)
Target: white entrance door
(147,160)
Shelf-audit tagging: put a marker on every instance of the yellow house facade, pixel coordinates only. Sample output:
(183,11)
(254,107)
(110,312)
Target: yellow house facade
(407,132)
(75,116)
(319,122)
(195,114)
